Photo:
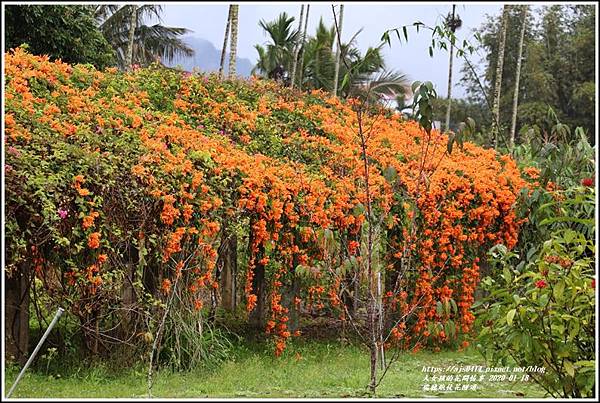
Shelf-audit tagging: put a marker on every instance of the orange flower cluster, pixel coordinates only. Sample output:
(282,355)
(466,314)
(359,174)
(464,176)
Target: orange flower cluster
(290,166)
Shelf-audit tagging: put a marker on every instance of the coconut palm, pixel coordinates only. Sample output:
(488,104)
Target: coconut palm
(452,22)
(279,51)
(318,63)
(224,49)
(234,37)
(150,42)
(513,125)
(297,47)
(338,48)
(498,84)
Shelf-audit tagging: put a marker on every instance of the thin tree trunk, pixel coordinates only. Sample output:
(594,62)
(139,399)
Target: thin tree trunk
(224,49)
(16,324)
(229,271)
(450,77)
(132,25)
(338,51)
(301,71)
(297,47)
(234,38)
(372,302)
(513,125)
(499,66)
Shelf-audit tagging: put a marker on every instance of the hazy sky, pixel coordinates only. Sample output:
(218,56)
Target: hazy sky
(412,58)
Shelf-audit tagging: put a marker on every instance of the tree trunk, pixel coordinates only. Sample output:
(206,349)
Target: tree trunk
(224,49)
(297,47)
(132,26)
(233,43)
(228,274)
(450,76)
(301,58)
(257,317)
(513,125)
(16,325)
(338,51)
(498,85)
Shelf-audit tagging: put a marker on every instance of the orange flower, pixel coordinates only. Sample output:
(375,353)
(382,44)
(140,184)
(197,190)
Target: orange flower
(166,286)
(94,240)
(88,220)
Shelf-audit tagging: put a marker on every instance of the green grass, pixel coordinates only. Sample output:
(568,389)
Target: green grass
(325,369)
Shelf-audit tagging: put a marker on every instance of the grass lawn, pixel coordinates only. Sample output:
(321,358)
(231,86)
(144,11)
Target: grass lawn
(324,369)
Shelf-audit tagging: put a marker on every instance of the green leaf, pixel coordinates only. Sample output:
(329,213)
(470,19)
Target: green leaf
(510,316)
(559,289)
(569,368)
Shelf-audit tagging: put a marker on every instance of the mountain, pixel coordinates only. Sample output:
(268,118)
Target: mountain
(207,58)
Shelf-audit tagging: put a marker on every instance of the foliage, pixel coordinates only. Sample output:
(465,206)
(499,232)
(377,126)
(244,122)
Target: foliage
(151,42)
(280,51)
(68,33)
(559,52)
(118,186)
(461,110)
(542,311)
(369,73)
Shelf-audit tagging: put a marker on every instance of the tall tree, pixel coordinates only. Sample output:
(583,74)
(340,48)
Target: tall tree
(297,47)
(66,32)
(513,125)
(453,22)
(338,48)
(279,52)
(131,36)
(498,85)
(302,45)
(151,42)
(224,49)
(233,44)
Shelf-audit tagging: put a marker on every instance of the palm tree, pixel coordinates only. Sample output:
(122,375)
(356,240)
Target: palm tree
(223,50)
(131,36)
(319,64)
(513,125)
(150,42)
(279,52)
(368,76)
(233,44)
(297,48)
(302,46)
(498,85)
(338,48)
(453,22)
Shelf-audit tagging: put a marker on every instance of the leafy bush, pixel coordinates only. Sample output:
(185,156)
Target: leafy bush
(542,309)
(120,188)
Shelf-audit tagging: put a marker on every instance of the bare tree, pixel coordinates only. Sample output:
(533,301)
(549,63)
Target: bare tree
(224,49)
(338,50)
(513,125)
(233,43)
(498,84)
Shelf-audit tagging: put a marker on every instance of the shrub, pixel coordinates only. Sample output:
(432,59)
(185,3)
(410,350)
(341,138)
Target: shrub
(541,311)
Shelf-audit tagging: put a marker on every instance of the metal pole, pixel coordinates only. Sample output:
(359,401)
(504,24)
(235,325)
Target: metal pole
(37,348)
(380,300)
